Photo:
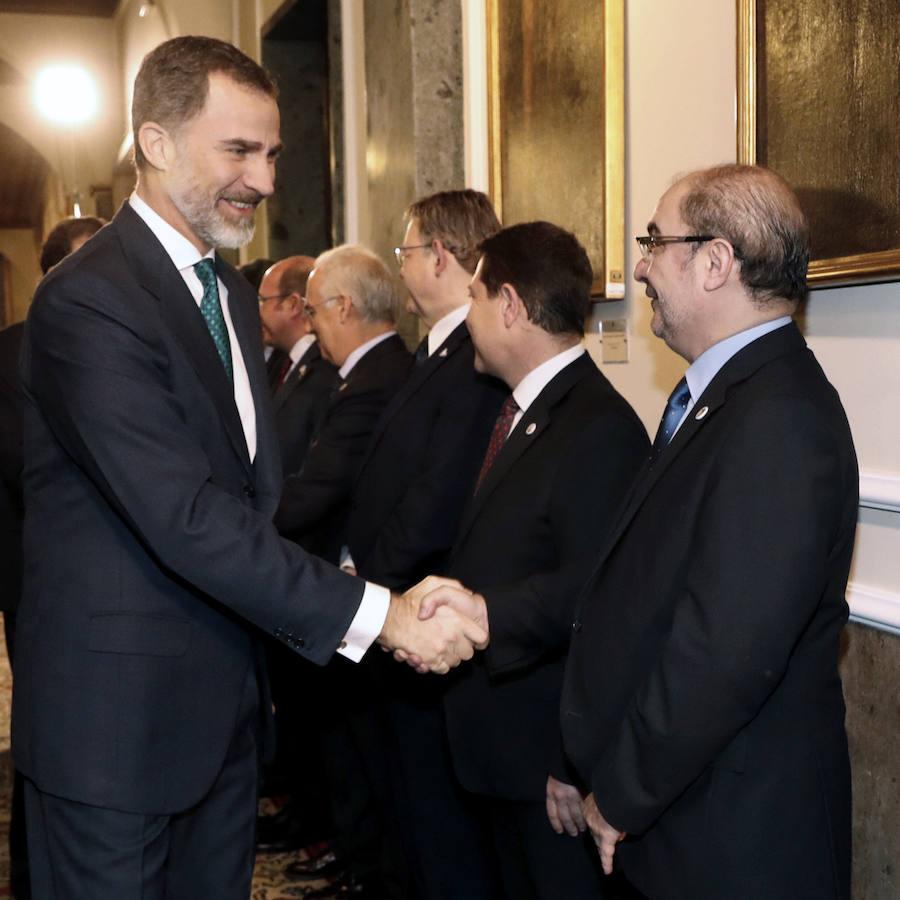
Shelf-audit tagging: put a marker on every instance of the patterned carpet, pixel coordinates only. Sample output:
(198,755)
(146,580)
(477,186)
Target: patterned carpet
(269,882)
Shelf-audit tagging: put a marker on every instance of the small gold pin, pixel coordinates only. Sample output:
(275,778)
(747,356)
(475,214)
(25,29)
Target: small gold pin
(302,371)
(531,428)
(701,413)
(343,387)
(443,352)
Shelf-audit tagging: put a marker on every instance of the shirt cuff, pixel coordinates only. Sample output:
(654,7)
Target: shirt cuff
(367,623)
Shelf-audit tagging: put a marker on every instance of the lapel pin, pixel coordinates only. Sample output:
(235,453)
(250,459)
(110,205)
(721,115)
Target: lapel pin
(531,428)
(343,387)
(443,352)
(302,371)
(701,413)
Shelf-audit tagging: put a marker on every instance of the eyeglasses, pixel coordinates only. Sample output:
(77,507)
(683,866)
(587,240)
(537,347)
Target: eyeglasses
(649,242)
(400,252)
(311,310)
(272,297)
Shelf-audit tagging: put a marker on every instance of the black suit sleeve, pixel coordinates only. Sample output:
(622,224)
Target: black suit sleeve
(531,619)
(325,481)
(758,570)
(99,375)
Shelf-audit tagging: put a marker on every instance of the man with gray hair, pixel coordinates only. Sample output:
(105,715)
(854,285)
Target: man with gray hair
(352,303)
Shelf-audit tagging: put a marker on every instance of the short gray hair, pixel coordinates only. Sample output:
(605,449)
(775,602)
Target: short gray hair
(355,271)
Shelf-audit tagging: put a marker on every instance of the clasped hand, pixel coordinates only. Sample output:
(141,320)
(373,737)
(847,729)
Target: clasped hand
(435,625)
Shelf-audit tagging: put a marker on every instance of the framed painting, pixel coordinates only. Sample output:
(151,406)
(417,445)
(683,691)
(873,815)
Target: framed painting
(818,101)
(556,121)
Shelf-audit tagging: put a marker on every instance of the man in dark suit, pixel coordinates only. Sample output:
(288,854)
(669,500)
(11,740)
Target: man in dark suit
(64,238)
(352,303)
(304,382)
(702,706)
(564,451)
(150,559)
(418,471)
(301,387)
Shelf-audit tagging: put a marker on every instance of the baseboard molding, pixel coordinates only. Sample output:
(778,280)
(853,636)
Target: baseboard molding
(879,490)
(874,607)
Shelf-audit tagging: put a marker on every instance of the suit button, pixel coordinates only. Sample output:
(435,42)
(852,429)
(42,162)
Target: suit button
(249,491)
(576,626)
(299,642)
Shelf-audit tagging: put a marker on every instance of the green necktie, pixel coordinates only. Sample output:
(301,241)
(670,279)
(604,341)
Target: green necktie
(212,313)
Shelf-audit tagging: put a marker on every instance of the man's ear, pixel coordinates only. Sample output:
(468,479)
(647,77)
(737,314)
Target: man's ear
(511,305)
(345,308)
(441,257)
(294,303)
(720,262)
(157,145)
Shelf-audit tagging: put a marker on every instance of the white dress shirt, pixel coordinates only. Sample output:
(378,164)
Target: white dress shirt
(298,351)
(185,256)
(360,352)
(528,389)
(372,612)
(444,327)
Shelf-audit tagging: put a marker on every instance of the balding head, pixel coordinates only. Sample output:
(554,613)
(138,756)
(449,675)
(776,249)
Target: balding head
(758,213)
(351,298)
(281,297)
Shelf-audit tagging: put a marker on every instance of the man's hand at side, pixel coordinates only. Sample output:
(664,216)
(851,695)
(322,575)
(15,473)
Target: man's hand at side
(564,807)
(605,836)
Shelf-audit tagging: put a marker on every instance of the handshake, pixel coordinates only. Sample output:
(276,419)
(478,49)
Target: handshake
(435,625)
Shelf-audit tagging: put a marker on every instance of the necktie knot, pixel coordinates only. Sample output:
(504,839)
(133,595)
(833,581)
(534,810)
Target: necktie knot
(678,401)
(211,309)
(422,351)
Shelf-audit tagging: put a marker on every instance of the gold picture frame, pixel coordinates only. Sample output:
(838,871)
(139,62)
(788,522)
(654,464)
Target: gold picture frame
(801,83)
(540,57)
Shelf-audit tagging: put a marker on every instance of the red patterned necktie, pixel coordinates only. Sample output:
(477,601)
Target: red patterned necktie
(283,372)
(498,436)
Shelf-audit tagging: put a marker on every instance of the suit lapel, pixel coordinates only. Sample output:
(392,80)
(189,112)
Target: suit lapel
(297,376)
(156,273)
(535,421)
(739,368)
(418,378)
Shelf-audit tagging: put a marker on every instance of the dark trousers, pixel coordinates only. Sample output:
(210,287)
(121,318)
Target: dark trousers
(536,863)
(447,841)
(81,852)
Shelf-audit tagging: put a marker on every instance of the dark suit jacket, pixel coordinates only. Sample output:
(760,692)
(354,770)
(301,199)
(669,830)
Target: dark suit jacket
(421,464)
(148,541)
(12,509)
(300,404)
(315,501)
(527,541)
(702,702)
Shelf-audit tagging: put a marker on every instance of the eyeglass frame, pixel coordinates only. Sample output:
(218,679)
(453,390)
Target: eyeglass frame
(273,297)
(649,242)
(401,250)
(310,309)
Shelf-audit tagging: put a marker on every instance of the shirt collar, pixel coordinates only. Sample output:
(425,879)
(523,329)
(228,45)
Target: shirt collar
(444,327)
(707,365)
(360,352)
(298,351)
(180,250)
(527,390)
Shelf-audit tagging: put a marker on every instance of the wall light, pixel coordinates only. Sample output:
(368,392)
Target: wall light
(65,95)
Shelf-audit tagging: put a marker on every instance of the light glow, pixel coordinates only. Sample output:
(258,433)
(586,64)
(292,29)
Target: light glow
(65,94)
